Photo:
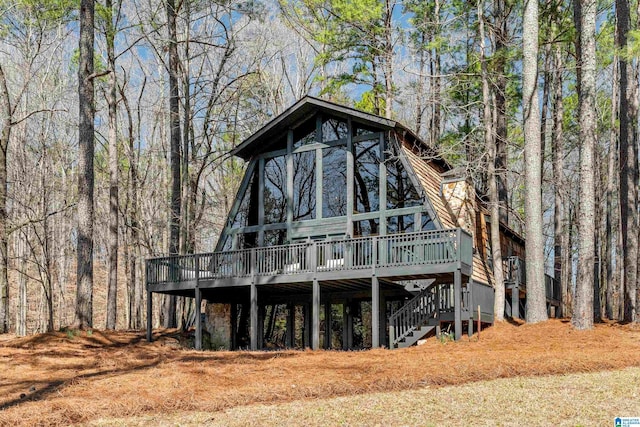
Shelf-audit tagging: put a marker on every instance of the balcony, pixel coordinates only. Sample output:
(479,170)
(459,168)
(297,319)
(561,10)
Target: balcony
(516,277)
(402,256)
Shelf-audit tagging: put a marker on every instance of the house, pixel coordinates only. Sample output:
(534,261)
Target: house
(338,208)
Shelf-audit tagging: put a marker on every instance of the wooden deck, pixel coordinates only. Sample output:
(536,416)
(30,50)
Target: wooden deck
(395,257)
(377,265)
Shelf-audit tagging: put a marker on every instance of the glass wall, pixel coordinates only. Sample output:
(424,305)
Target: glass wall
(334,129)
(320,167)
(275,190)
(244,216)
(304,185)
(367,176)
(334,181)
(400,224)
(401,193)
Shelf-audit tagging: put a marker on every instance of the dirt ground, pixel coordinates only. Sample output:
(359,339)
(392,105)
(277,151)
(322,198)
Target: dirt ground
(65,378)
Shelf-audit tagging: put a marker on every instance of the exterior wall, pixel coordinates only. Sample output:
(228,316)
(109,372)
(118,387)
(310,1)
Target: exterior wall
(456,205)
(459,195)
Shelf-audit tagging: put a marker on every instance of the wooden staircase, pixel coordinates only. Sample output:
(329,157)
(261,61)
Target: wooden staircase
(414,320)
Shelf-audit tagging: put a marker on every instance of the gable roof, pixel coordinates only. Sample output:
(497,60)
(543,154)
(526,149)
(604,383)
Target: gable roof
(299,111)
(308,105)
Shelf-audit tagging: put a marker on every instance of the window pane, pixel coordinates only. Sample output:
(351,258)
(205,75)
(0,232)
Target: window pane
(247,240)
(275,184)
(369,227)
(275,237)
(305,133)
(333,129)
(246,215)
(226,246)
(400,224)
(304,185)
(361,130)
(427,222)
(367,176)
(334,182)
(401,193)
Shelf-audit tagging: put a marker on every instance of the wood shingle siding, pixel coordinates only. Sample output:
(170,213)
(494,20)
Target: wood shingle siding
(430,175)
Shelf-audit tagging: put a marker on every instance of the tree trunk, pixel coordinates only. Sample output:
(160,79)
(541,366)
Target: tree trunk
(560,245)
(169,312)
(628,165)
(112,292)
(21,312)
(536,294)
(436,79)
(611,223)
(494,203)
(583,302)
(84,278)
(5,135)
(388,59)
(501,130)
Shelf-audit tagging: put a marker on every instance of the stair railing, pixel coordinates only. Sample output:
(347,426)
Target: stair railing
(413,315)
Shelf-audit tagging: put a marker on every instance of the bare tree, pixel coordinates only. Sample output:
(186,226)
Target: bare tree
(494,202)
(561,241)
(112,101)
(174,124)
(583,308)
(536,294)
(628,166)
(84,279)
(4,144)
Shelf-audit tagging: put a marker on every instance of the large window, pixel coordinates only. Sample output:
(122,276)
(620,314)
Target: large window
(367,176)
(247,213)
(275,185)
(334,181)
(400,224)
(304,185)
(369,227)
(401,193)
(333,129)
(305,134)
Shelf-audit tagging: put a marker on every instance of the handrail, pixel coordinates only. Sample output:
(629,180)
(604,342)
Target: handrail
(418,248)
(428,304)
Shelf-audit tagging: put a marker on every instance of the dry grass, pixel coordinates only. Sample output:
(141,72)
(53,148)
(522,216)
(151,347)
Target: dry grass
(587,399)
(86,378)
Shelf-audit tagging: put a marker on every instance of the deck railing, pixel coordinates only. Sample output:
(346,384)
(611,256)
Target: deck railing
(515,273)
(408,249)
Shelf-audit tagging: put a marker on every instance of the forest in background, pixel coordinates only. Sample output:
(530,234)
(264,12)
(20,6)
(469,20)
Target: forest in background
(117,117)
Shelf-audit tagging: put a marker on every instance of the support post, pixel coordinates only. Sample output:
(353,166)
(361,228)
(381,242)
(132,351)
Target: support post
(306,342)
(315,315)
(198,296)
(345,325)
(233,345)
(262,310)
(457,303)
(515,302)
(383,321)
(149,316)
(469,307)
(291,325)
(253,318)
(375,312)
(327,324)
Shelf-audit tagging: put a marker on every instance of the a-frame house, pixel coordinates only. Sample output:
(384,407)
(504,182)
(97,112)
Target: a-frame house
(336,207)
